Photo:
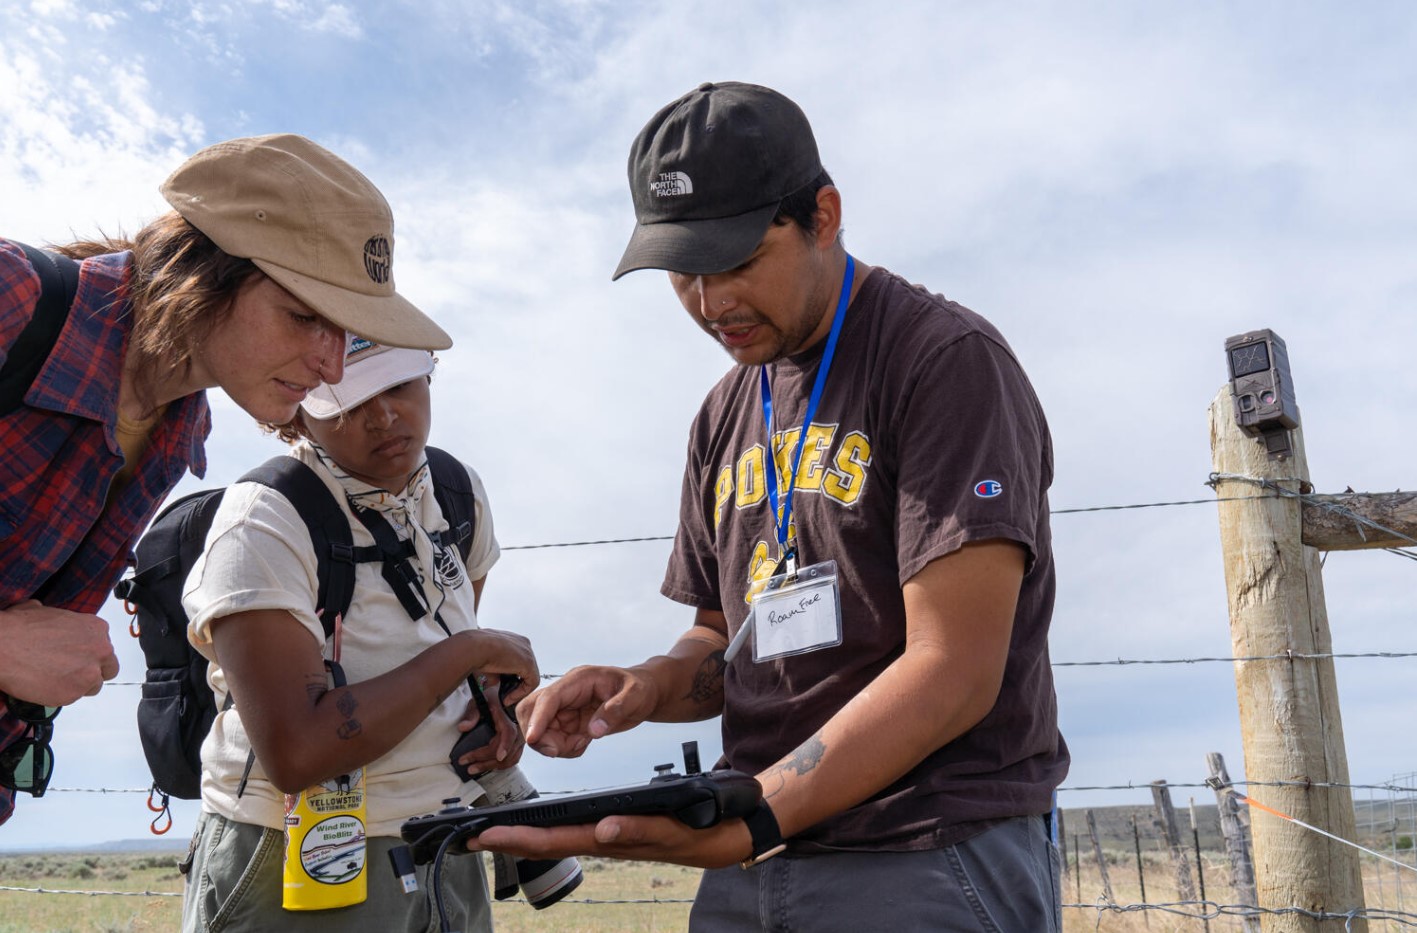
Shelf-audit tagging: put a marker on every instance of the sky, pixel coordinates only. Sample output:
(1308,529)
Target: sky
(1118,187)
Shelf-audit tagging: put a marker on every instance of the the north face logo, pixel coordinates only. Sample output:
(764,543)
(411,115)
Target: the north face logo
(378,258)
(670,184)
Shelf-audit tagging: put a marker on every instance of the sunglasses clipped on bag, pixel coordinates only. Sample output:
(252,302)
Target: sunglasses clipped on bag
(27,763)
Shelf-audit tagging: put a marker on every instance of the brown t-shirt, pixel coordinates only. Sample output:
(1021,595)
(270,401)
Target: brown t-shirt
(928,436)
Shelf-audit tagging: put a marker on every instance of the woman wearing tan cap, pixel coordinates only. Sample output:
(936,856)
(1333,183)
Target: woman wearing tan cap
(275,249)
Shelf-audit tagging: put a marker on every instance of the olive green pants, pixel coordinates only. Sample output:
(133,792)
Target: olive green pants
(235,885)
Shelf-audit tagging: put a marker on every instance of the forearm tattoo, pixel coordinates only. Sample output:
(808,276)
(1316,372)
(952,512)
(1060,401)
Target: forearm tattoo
(706,689)
(347,704)
(803,759)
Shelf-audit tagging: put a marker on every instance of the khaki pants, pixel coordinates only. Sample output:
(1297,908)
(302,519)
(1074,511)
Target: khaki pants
(235,883)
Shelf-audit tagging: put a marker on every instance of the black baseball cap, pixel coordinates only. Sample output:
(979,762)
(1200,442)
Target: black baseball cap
(707,174)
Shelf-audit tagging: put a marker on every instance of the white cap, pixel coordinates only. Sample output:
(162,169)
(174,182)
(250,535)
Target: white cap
(369,368)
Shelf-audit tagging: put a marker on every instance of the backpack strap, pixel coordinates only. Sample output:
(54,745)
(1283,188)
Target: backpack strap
(452,487)
(58,283)
(394,554)
(335,553)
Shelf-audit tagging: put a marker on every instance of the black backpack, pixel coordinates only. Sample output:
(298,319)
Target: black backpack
(59,281)
(177,706)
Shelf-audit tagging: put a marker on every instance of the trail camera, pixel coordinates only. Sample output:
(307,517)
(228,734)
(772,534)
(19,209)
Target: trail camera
(1262,386)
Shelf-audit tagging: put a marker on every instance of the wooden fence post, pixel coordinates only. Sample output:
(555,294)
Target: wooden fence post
(1287,691)
(1235,828)
(1168,830)
(1101,860)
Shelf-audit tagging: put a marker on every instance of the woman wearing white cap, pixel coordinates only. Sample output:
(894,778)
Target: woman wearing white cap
(252,604)
(275,248)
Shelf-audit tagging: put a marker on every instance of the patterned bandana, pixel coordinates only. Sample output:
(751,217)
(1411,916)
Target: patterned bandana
(407,513)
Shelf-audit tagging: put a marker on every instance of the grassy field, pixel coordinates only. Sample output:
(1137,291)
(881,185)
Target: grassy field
(587,910)
(49,912)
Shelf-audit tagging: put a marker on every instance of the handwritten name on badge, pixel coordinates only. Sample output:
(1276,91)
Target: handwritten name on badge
(798,616)
(803,605)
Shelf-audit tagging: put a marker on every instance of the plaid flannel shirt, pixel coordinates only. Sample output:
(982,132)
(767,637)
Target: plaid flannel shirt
(65,543)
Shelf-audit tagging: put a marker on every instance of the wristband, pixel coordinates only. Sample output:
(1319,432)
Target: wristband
(767,835)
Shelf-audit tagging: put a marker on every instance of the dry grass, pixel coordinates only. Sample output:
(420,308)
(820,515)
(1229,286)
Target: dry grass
(648,885)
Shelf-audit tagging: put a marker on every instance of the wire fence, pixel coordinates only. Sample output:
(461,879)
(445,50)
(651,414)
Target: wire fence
(1386,812)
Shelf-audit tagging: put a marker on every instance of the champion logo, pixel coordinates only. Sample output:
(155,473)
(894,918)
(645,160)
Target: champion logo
(988,489)
(378,258)
(671,184)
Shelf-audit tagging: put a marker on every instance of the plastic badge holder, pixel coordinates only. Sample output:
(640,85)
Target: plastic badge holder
(797,613)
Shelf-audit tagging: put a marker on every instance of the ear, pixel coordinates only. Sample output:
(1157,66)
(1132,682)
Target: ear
(828,217)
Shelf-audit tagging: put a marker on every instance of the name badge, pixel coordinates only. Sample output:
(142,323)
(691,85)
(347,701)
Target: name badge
(797,613)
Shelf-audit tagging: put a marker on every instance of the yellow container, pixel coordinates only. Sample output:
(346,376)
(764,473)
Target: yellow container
(325,845)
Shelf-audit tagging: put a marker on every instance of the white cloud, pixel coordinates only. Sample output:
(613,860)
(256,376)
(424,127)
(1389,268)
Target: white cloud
(337,19)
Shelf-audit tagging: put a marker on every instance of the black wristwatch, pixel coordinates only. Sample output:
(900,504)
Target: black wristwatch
(767,835)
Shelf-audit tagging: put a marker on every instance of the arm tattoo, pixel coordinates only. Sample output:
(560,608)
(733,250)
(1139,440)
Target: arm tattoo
(347,704)
(803,759)
(807,756)
(707,686)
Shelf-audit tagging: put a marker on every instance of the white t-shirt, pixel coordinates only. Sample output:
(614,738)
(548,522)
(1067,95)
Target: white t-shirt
(259,556)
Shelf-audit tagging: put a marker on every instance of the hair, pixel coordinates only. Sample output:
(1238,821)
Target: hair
(800,207)
(183,285)
(293,430)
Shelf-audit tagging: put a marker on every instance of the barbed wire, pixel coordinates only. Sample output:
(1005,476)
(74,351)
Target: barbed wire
(1122,662)
(17,890)
(1076,511)
(1194,910)
(1393,788)
(1279,493)
(1286,656)
(1362,521)
(550,795)
(1213,911)
(536,547)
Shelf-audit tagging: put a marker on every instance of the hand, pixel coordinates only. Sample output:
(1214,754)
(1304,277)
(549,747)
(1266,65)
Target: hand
(498,652)
(639,838)
(505,749)
(587,703)
(53,656)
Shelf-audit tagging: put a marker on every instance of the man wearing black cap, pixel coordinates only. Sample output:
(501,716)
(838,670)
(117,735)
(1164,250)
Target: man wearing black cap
(864,536)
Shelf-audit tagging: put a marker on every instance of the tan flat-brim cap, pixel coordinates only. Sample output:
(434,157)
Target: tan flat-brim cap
(310,221)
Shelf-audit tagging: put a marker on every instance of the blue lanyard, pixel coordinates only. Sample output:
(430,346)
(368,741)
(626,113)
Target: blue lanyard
(783,515)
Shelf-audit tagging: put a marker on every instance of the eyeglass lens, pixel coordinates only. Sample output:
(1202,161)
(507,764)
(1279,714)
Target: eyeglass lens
(26,765)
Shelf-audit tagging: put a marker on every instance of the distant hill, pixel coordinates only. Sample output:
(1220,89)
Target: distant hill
(1381,822)
(1114,825)
(120,845)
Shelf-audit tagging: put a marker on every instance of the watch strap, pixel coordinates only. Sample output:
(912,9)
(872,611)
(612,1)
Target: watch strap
(767,835)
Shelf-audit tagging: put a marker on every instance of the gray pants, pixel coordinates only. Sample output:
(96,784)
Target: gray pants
(1001,881)
(236,881)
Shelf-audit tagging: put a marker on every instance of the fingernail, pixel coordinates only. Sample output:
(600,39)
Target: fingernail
(598,727)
